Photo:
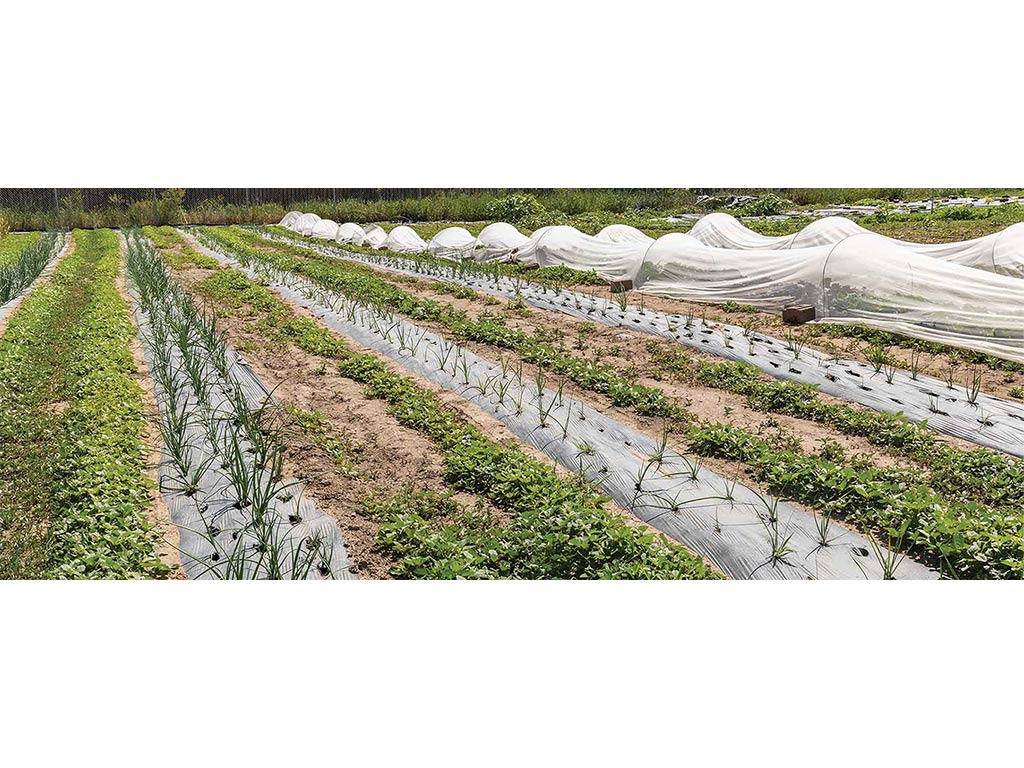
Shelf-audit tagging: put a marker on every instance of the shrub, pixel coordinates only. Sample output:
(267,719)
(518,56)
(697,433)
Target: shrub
(768,204)
(170,206)
(518,210)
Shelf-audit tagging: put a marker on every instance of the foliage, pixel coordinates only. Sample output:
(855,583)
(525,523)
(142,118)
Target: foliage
(518,210)
(769,204)
(25,260)
(170,206)
(879,338)
(976,474)
(963,539)
(73,490)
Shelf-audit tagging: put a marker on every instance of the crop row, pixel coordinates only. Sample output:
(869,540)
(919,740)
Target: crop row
(971,414)
(222,473)
(962,536)
(73,490)
(559,277)
(19,268)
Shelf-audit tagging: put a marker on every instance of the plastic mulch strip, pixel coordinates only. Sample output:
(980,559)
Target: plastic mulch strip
(218,538)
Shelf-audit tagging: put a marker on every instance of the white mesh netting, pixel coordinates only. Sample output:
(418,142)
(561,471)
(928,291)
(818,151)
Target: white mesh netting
(497,241)
(305,223)
(965,294)
(325,229)
(452,243)
(1001,252)
(350,233)
(864,279)
(374,236)
(404,239)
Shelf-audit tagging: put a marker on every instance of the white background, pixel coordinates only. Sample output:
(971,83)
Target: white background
(465,94)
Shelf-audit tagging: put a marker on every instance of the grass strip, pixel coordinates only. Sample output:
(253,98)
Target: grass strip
(73,488)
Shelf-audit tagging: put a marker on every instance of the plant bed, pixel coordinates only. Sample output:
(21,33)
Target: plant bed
(222,473)
(73,489)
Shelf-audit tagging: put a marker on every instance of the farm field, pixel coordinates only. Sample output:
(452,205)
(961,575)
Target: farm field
(224,401)
(515,457)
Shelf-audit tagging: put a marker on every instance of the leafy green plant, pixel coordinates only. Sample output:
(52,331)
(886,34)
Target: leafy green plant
(71,425)
(557,529)
(520,210)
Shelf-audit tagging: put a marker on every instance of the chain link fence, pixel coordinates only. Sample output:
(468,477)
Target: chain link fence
(45,208)
(66,208)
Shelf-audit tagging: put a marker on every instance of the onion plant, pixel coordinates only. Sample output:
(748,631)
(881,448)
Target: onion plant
(222,439)
(19,272)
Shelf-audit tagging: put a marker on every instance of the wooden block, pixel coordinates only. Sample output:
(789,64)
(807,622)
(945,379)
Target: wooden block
(798,314)
(621,286)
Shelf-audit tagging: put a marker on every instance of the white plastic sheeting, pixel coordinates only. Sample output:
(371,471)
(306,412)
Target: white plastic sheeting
(864,279)
(720,230)
(374,236)
(325,229)
(567,246)
(623,233)
(452,243)
(305,224)
(1001,252)
(403,239)
(527,252)
(350,233)
(497,242)
(289,219)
